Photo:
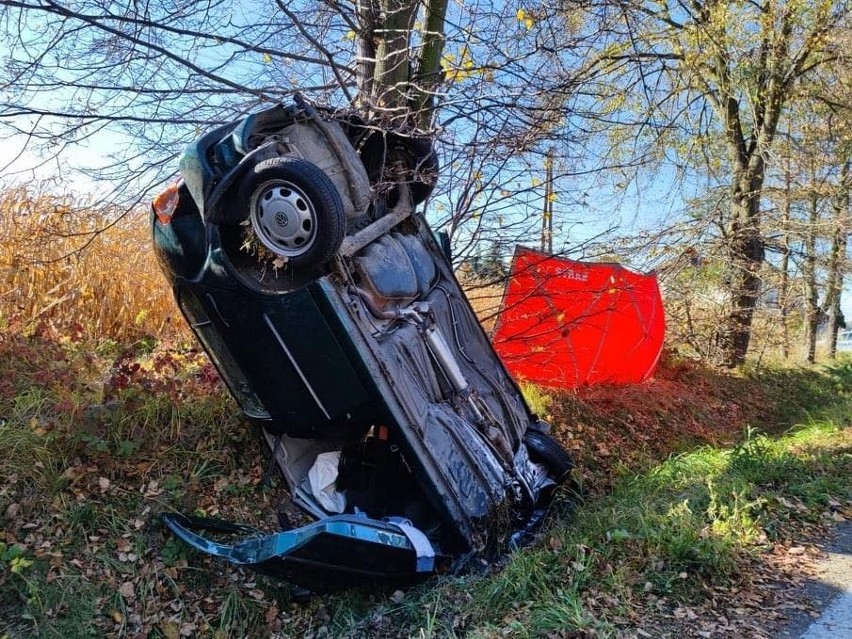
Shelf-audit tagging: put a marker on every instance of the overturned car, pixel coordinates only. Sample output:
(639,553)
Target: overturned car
(296,254)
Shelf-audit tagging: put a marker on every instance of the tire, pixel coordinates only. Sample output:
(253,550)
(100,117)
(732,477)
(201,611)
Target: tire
(294,209)
(546,450)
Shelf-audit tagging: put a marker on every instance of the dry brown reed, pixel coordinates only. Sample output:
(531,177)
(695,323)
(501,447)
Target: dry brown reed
(87,270)
(83,269)
(485,296)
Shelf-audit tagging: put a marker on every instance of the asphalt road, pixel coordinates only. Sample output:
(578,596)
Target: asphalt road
(831,592)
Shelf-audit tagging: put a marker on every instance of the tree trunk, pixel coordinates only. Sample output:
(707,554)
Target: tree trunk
(809,272)
(837,259)
(392,71)
(835,322)
(745,257)
(396,81)
(429,72)
(367,10)
(784,284)
(784,267)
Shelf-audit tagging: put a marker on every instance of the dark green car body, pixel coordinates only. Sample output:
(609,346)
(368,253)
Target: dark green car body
(376,354)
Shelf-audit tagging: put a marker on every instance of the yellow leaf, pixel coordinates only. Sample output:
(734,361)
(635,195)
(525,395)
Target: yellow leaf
(525,18)
(551,197)
(267,58)
(170,629)
(19,564)
(350,35)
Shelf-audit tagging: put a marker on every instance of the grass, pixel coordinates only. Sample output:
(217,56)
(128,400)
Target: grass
(485,298)
(84,482)
(696,521)
(537,399)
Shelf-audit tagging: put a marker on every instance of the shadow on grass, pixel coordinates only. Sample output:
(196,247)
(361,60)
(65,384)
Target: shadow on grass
(800,394)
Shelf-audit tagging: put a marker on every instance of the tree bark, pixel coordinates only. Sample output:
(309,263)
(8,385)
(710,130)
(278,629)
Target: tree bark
(429,73)
(398,78)
(837,259)
(392,71)
(745,256)
(809,273)
(784,267)
(366,11)
(834,318)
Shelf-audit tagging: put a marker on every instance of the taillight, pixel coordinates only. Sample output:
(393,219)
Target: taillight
(166,203)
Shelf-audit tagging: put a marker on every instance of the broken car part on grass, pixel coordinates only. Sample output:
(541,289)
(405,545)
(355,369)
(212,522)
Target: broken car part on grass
(297,256)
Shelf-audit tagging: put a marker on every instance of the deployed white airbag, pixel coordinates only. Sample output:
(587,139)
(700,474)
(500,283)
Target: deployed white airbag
(322,478)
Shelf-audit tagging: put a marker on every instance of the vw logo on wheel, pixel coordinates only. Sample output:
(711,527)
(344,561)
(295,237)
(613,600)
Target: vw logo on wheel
(281,218)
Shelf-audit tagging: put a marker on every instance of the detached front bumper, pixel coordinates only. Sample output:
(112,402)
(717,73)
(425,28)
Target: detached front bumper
(337,552)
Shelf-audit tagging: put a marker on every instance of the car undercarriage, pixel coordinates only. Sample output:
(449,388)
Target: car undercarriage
(296,252)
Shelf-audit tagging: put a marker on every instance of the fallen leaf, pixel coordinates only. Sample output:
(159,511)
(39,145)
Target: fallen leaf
(152,490)
(127,590)
(271,613)
(170,629)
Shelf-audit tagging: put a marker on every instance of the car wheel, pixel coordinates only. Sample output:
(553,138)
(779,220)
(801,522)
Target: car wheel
(545,450)
(295,210)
